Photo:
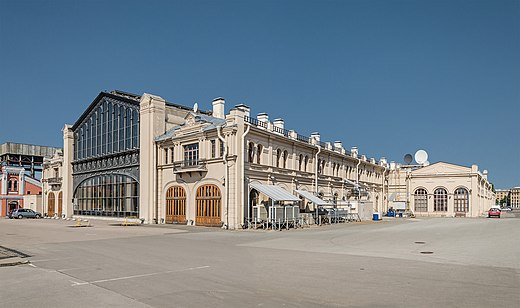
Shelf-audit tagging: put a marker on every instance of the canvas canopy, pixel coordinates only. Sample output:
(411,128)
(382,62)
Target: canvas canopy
(276,193)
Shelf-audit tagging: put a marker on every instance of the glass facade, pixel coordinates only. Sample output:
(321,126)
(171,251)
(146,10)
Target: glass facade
(111,195)
(112,128)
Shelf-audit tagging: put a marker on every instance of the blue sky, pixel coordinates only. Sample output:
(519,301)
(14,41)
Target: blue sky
(389,77)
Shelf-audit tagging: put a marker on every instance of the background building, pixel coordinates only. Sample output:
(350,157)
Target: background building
(515,198)
(52,182)
(503,196)
(18,190)
(441,189)
(28,156)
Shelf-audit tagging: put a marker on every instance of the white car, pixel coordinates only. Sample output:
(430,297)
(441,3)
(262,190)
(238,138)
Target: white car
(505,209)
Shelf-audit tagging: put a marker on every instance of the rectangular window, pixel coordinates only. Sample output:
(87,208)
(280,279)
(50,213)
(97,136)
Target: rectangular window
(221,148)
(213,148)
(191,154)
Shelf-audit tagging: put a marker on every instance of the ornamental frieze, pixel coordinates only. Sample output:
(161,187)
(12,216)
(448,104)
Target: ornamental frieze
(120,161)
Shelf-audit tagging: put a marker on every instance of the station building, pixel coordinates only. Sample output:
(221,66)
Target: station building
(141,156)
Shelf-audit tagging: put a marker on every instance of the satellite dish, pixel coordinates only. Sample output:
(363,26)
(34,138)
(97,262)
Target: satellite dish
(195,107)
(421,157)
(408,158)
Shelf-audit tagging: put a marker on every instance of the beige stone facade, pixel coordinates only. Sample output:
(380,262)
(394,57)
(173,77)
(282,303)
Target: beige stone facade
(141,156)
(237,150)
(441,190)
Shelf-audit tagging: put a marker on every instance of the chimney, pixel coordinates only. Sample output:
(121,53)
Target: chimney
(316,137)
(354,152)
(364,157)
(373,160)
(382,161)
(244,108)
(485,174)
(262,117)
(218,108)
(338,146)
(278,123)
(392,165)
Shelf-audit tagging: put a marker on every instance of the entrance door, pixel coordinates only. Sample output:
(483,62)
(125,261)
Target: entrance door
(60,204)
(209,206)
(51,204)
(175,205)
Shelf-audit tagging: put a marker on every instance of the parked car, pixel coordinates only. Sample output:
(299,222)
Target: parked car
(25,213)
(507,209)
(494,212)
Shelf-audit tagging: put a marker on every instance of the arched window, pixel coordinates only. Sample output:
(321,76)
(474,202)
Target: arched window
(208,203)
(251,152)
(461,200)
(300,161)
(15,185)
(113,195)
(175,205)
(278,157)
(440,200)
(285,156)
(10,185)
(421,200)
(305,162)
(258,153)
(319,166)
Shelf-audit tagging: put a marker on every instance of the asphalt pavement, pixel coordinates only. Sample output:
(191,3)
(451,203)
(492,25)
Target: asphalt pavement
(434,262)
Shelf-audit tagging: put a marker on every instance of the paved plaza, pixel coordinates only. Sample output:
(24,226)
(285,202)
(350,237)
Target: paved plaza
(448,262)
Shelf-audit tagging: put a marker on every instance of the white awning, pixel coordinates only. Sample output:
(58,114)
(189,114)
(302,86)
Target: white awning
(309,196)
(274,192)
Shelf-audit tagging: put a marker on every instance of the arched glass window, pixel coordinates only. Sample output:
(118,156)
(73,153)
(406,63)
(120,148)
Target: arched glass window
(319,166)
(15,185)
(285,157)
(208,206)
(440,200)
(278,157)
(10,185)
(258,153)
(305,162)
(113,195)
(300,162)
(461,200)
(251,152)
(421,200)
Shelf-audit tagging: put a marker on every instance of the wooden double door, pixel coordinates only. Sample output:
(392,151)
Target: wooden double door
(175,205)
(208,202)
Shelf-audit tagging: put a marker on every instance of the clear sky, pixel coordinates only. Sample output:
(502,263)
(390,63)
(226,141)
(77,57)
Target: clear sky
(387,76)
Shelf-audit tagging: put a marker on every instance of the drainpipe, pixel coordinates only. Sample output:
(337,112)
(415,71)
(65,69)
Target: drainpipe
(357,177)
(226,176)
(383,197)
(244,174)
(156,184)
(316,169)
(316,181)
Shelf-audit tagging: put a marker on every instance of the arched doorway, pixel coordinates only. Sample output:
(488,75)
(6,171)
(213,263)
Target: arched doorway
(51,199)
(209,206)
(60,203)
(175,205)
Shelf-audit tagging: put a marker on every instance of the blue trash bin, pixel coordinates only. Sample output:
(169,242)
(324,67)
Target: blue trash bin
(376,216)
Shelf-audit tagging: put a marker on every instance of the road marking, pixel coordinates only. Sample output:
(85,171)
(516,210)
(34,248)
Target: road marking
(46,260)
(137,276)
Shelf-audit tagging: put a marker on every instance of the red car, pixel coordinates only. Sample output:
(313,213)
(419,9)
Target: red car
(494,212)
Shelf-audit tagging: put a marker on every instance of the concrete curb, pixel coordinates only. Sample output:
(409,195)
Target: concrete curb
(13,261)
